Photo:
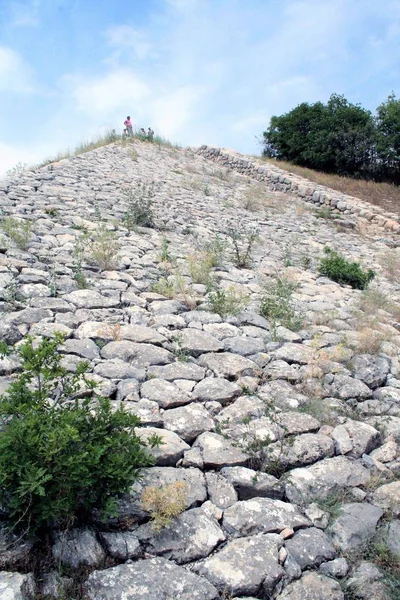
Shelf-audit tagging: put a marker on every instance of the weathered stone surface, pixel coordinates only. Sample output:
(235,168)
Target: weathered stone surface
(294,353)
(245,565)
(336,568)
(312,586)
(262,515)
(392,537)
(161,476)
(217,452)
(310,547)
(355,525)
(198,342)
(151,579)
(121,545)
(294,422)
(14,550)
(171,448)
(388,497)
(188,421)
(177,370)
(216,389)
(301,450)
(327,476)
(15,586)
(282,395)
(231,366)
(370,369)
(90,299)
(165,393)
(78,547)
(191,536)
(253,484)
(245,346)
(346,387)
(355,438)
(139,355)
(220,491)
(367,583)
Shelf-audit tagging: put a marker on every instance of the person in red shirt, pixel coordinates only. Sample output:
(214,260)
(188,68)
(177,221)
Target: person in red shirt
(128,126)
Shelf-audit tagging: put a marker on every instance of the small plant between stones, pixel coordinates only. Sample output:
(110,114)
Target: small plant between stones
(277,306)
(19,231)
(339,269)
(139,211)
(164,503)
(242,245)
(227,302)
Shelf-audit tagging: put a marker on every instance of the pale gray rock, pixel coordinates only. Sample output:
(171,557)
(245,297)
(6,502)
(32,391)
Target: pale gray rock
(139,355)
(366,582)
(15,586)
(218,452)
(245,346)
(57,305)
(178,370)
(282,395)
(304,449)
(328,476)
(171,449)
(33,290)
(55,586)
(117,369)
(90,299)
(262,515)
(294,423)
(191,536)
(215,389)
(240,410)
(121,545)
(231,366)
(85,348)
(151,579)
(310,547)
(355,438)
(161,476)
(165,393)
(203,317)
(128,390)
(245,565)
(355,525)
(188,421)
(78,547)
(147,411)
(388,497)
(253,484)
(14,550)
(337,568)
(220,491)
(393,537)
(312,586)
(371,369)
(198,342)
(167,307)
(49,329)
(294,353)
(140,334)
(345,387)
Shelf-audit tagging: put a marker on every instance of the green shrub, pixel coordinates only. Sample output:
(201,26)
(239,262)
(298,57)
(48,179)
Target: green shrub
(338,268)
(19,231)
(277,305)
(227,302)
(62,456)
(140,206)
(102,246)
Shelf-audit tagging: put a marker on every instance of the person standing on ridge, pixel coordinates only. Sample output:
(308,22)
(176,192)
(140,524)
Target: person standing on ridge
(150,134)
(128,126)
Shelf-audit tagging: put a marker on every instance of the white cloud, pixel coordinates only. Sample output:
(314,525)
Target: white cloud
(126,37)
(14,72)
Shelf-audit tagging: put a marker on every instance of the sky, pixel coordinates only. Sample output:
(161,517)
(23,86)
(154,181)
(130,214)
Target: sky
(197,71)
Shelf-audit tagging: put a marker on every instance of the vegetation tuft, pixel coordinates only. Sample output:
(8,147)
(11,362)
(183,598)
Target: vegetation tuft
(339,269)
(62,455)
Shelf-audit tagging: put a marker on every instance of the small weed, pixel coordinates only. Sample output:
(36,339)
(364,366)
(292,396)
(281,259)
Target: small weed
(51,212)
(165,256)
(181,354)
(390,262)
(305,262)
(206,190)
(164,287)
(326,213)
(242,245)
(287,256)
(15,172)
(164,503)
(77,268)
(339,269)
(277,306)
(227,302)
(19,231)
(215,250)
(139,212)
(200,265)
(102,246)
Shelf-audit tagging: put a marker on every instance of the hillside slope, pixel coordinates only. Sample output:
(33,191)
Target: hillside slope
(285,429)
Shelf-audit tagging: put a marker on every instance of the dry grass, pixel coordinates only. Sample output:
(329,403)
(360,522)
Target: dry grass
(390,261)
(385,195)
(164,503)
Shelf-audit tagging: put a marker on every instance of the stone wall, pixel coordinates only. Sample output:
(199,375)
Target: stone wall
(281,180)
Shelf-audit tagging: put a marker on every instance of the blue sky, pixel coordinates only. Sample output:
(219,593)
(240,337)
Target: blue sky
(197,71)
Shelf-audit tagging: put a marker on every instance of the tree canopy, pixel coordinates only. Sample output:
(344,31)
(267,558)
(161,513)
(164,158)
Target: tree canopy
(339,137)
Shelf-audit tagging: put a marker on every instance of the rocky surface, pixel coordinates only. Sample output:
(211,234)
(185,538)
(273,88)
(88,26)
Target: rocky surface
(287,442)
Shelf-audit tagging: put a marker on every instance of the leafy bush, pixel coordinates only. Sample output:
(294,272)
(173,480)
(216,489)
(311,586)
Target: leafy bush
(277,305)
(140,206)
(164,503)
(61,456)
(227,302)
(338,268)
(19,231)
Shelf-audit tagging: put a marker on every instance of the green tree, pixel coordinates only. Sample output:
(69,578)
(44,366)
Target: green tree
(63,451)
(388,137)
(337,137)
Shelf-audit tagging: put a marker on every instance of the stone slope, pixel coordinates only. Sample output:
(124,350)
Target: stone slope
(288,442)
